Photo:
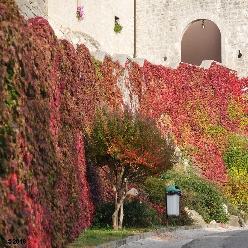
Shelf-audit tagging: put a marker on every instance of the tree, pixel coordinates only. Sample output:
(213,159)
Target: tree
(129,148)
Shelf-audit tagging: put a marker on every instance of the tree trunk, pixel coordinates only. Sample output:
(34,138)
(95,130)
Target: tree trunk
(115,220)
(120,195)
(124,194)
(121,215)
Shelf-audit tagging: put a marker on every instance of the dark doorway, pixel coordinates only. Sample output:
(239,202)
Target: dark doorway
(201,41)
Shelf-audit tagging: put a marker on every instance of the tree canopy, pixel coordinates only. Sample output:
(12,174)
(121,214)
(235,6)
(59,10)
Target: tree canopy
(129,148)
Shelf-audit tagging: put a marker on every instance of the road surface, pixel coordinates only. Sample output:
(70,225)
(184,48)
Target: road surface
(234,239)
(230,237)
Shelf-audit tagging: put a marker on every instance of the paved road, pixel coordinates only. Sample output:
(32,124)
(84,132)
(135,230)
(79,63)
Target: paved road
(235,239)
(230,237)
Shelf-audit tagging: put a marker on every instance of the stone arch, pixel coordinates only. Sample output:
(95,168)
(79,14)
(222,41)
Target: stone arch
(201,41)
(208,16)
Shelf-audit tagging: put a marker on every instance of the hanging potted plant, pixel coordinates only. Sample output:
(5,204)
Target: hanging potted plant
(117,27)
(80,13)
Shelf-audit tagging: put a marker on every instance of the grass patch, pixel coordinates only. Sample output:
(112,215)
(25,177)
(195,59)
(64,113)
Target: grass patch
(93,237)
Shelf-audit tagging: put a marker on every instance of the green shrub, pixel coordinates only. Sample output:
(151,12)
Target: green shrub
(138,214)
(183,219)
(155,187)
(198,194)
(117,28)
(201,195)
(103,215)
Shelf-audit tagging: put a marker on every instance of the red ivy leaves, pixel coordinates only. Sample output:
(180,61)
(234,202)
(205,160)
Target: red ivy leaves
(51,94)
(196,101)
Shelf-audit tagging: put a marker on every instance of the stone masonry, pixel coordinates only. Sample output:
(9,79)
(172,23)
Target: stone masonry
(162,23)
(160,26)
(30,8)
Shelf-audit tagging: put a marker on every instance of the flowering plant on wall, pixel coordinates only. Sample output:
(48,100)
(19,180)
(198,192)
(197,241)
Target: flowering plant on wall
(80,13)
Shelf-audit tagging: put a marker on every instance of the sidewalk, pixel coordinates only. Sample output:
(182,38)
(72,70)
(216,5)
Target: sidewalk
(171,237)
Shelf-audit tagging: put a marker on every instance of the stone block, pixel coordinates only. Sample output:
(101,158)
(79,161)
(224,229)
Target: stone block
(99,55)
(139,61)
(121,58)
(173,65)
(132,191)
(206,63)
(234,221)
(196,217)
(213,224)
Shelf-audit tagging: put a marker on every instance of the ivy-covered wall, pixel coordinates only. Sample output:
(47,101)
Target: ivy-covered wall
(49,92)
(45,196)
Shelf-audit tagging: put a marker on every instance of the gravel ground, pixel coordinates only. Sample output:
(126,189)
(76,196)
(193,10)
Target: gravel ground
(178,238)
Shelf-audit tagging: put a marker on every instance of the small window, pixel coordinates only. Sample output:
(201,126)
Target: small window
(117,19)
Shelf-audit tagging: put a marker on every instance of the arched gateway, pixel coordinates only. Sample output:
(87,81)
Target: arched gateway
(214,27)
(201,41)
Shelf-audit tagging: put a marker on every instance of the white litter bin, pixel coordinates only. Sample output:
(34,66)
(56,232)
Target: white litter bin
(173,194)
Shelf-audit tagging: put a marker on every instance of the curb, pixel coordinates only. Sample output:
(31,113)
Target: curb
(118,243)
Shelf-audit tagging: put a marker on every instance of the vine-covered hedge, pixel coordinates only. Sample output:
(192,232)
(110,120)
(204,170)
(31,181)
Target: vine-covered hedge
(45,197)
(49,92)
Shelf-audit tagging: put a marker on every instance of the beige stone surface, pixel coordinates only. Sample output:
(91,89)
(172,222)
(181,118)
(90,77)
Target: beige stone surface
(160,27)
(234,221)
(197,218)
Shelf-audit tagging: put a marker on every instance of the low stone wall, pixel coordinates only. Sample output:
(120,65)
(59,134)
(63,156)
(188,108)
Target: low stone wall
(30,9)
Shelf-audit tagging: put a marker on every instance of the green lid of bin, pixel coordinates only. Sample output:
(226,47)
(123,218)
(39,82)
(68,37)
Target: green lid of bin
(172,190)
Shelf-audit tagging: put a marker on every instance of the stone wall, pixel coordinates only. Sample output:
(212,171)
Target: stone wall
(160,26)
(31,9)
(162,23)
(96,30)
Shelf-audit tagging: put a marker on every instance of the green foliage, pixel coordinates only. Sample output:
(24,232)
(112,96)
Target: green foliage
(233,209)
(183,219)
(155,188)
(234,111)
(136,214)
(103,215)
(236,189)
(198,193)
(236,160)
(97,64)
(236,154)
(139,214)
(93,237)
(117,27)
(216,130)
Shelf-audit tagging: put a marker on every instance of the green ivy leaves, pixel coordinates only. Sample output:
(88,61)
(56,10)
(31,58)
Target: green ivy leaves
(117,28)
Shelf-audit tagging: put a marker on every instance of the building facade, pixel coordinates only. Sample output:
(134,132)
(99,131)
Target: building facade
(152,29)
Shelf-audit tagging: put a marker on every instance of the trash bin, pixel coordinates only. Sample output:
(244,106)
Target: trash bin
(173,194)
